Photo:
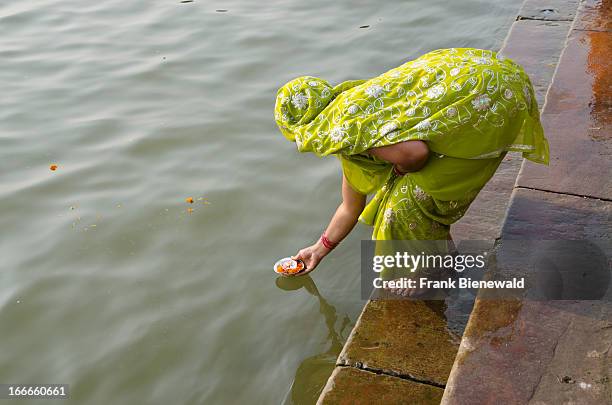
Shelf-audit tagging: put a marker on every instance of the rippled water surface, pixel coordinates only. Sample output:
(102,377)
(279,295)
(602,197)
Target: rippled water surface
(108,283)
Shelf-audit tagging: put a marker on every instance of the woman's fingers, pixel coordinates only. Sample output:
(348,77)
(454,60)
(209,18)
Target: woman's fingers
(310,263)
(308,270)
(310,258)
(299,255)
(309,267)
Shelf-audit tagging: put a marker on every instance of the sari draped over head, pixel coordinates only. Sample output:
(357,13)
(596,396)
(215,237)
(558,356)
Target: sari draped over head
(470,106)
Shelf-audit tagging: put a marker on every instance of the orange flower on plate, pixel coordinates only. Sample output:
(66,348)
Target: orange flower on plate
(289,266)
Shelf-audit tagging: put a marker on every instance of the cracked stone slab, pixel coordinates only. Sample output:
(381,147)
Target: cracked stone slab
(595,15)
(404,338)
(538,214)
(550,10)
(534,352)
(580,369)
(539,352)
(349,385)
(570,232)
(577,120)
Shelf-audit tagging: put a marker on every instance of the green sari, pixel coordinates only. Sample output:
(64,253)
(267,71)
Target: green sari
(471,106)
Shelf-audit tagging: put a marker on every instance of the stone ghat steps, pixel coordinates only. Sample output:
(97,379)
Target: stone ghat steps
(554,351)
(402,351)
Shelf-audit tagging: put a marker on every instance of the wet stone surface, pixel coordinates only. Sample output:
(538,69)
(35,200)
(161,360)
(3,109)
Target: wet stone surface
(542,215)
(577,121)
(595,15)
(559,244)
(403,337)
(536,46)
(554,352)
(551,10)
(349,385)
(548,351)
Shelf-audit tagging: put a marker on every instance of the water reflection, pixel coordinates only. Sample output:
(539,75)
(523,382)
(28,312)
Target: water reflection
(313,372)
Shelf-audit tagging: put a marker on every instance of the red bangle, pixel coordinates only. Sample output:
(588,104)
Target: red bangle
(328,243)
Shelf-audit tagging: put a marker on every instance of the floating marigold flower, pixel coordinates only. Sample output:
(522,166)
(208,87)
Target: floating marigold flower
(189,200)
(53,167)
(289,266)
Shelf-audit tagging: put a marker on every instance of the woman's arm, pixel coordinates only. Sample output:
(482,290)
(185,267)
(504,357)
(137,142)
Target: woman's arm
(408,156)
(340,225)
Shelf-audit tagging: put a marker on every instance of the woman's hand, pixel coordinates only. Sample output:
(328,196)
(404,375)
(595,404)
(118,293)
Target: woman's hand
(311,256)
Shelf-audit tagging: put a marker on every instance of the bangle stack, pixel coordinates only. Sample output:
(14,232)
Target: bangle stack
(328,243)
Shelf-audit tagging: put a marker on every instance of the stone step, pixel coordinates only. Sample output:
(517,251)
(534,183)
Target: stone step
(554,351)
(410,339)
(351,386)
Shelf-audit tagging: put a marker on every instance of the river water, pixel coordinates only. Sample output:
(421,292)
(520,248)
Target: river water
(108,281)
